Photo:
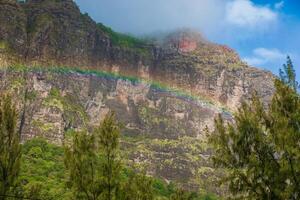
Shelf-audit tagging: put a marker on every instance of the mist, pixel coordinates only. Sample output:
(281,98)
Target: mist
(144,17)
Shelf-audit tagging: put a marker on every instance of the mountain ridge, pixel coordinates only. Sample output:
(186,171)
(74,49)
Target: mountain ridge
(163,132)
(80,42)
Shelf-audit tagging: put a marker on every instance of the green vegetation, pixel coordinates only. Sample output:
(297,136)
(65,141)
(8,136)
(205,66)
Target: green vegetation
(45,127)
(17,83)
(261,151)
(3,45)
(89,168)
(83,162)
(126,41)
(10,148)
(42,171)
(43,175)
(31,95)
(122,40)
(72,110)
(108,134)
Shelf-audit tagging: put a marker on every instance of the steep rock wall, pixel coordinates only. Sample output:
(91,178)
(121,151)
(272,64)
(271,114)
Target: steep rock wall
(162,133)
(46,32)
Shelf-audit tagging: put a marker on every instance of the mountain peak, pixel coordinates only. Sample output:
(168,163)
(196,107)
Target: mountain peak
(185,40)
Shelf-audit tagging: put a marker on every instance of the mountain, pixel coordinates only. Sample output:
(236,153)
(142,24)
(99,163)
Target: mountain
(66,72)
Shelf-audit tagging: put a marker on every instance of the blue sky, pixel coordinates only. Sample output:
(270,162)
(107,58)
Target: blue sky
(263,32)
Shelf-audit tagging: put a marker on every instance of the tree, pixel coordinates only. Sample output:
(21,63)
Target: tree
(10,148)
(288,75)
(261,149)
(108,135)
(82,163)
(137,187)
(93,161)
(180,194)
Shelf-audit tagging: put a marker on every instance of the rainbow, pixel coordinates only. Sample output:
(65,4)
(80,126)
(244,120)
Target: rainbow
(159,87)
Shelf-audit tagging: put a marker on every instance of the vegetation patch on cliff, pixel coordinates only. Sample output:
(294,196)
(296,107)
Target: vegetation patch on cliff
(126,41)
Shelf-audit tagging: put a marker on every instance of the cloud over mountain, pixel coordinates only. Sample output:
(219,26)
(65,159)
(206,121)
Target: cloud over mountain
(263,56)
(246,14)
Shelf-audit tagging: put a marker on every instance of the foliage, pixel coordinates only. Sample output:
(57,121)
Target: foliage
(72,111)
(108,135)
(3,45)
(95,168)
(124,40)
(82,163)
(261,151)
(10,148)
(43,176)
(288,75)
(180,195)
(42,171)
(136,187)
(161,188)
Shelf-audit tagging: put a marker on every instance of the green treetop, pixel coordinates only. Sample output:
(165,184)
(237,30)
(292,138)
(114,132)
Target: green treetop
(108,135)
(261,150)
(10,148)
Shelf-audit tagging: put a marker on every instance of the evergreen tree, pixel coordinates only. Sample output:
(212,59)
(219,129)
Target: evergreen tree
(93,161)
(261,149)
(137,187)
(10,148)
(83,164)
(180,195)
(288,74)
(108,136)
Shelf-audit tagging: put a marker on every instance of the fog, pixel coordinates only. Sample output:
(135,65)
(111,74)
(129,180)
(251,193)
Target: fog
(149,16)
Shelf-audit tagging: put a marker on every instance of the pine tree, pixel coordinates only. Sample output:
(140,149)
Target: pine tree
(261,150)
(93,161)
(288,75)
(144,189)
(180,194)
(137,187)
(108,136)
(83,165)
(10,148)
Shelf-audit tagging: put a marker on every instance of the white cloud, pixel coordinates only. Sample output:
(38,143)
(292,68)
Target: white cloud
(253,61)
(279,5)
(270,54)
(262,56)
(144,16)
(214,18)
(245,13)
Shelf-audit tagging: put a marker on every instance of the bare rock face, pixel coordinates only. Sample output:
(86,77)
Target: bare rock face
(179,86)
(46,32)
(184,41)
(206,69)
(163,130)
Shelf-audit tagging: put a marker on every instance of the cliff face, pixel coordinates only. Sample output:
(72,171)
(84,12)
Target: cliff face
(49,32)
(163,130)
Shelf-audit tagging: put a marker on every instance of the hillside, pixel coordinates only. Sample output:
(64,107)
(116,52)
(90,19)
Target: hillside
(164,94)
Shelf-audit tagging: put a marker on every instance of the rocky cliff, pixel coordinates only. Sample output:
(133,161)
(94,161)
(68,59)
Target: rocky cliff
(164,94)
